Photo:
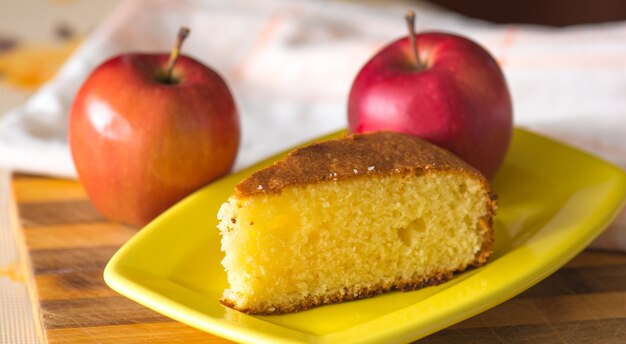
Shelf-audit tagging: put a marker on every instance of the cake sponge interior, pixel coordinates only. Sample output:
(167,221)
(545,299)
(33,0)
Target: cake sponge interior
(342,240)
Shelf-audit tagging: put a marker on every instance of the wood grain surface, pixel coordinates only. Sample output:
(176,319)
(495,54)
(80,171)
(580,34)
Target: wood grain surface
(69,244)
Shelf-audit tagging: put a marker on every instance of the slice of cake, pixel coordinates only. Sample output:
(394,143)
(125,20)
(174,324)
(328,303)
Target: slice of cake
(351,218)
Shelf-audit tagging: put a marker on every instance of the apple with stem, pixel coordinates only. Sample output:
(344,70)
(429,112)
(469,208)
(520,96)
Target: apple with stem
(441,87)
(146,130)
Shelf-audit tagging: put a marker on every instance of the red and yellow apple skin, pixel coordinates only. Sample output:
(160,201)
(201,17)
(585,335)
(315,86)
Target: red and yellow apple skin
(459,100)
(140,144)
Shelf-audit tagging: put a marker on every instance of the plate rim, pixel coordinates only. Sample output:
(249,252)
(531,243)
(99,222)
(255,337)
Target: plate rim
(114,276)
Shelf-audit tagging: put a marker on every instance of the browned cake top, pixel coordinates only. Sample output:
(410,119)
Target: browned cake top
(353,156)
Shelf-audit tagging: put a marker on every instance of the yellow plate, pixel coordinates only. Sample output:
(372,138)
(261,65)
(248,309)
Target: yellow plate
(553,201)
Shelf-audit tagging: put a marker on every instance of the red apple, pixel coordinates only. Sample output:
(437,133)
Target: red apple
(146,130)
(450,92)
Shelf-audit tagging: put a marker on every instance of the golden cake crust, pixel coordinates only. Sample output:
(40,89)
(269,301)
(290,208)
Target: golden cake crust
(354,156)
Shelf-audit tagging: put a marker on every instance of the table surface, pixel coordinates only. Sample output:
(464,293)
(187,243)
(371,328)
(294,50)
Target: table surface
(69,244)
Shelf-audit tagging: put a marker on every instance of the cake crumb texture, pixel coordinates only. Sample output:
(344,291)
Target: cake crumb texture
(405,224)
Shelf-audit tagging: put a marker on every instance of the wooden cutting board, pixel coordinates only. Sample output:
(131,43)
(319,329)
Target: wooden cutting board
(69,244)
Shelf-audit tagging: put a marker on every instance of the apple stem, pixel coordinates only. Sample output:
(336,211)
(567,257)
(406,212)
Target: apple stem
(410,23)
(183,32)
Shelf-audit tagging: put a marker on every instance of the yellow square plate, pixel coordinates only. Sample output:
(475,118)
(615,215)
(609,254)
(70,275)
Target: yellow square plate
(553,201)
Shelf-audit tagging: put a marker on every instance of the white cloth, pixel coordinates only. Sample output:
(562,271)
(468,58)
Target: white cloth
(290,65)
